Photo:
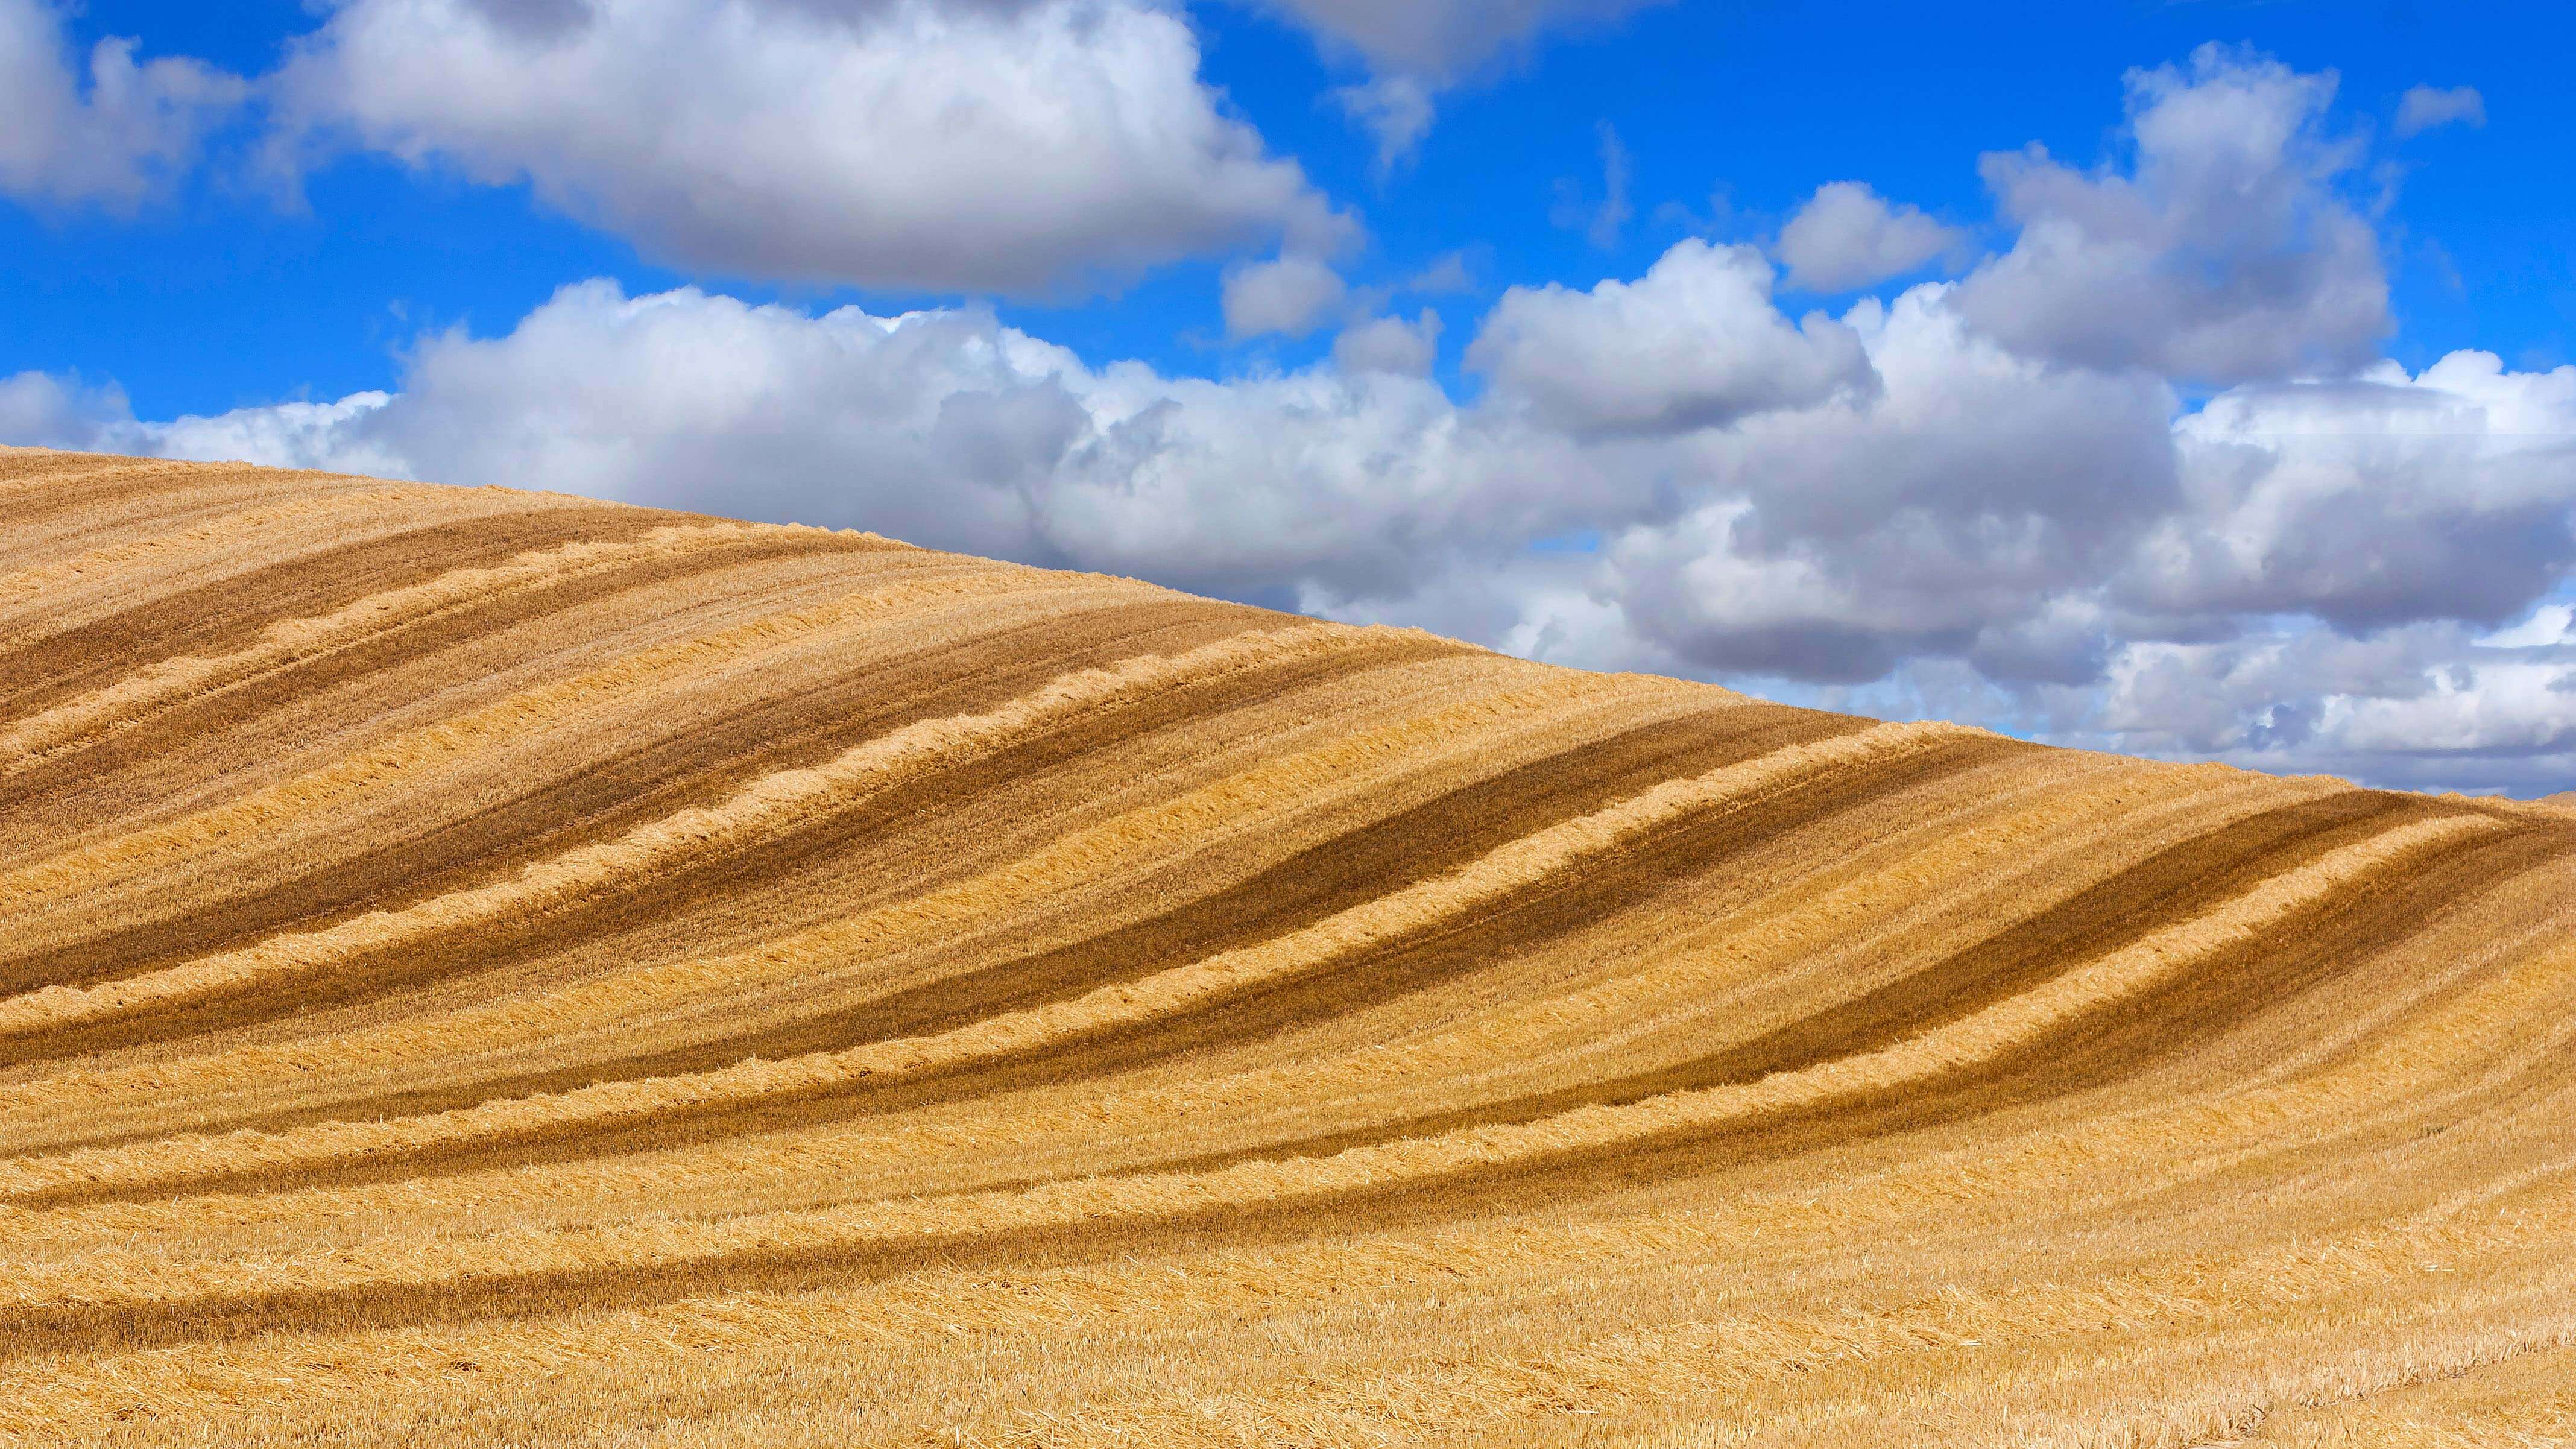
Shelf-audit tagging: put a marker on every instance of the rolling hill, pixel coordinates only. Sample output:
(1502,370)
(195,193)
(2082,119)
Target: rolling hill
(486,966)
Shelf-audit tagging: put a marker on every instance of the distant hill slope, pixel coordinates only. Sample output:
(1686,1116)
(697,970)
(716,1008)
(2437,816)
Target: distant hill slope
(491,967)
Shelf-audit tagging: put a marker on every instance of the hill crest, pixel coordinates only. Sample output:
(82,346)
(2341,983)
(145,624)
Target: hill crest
(508,965)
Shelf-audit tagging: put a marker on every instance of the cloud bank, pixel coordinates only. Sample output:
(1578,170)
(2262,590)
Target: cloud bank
(2138,479)
(984,147)
(1847,236)
(103,130)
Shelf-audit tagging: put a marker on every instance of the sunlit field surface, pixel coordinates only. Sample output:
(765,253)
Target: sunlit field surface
(483,966)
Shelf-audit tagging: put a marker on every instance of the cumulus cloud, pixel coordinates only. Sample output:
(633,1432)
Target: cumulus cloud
(1945,510)
(110,142)
(42,411)
(1290,295)
(944,427)
(2549,624)
(1439,39)
(1974,530)
(2384,500)
(2225,254)
(1389,344)
(1847,236)
(334,436)
(1695,343)
(1396,109)
(2424,108)
(2425,705)
(1923,504)
(1009,147)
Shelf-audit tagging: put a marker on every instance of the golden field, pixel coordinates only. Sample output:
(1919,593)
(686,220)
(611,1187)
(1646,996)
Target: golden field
(489,967)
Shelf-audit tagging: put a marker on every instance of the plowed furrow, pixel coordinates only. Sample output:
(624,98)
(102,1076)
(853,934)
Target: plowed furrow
(2175,885)
(50,1018)
(215,611)
(1600,1144)
(290,643)
(617,792)
(1315,883)
(487,966)
(1489,713)
(455,744)
(1342,873)
(134,762)
(1370,953)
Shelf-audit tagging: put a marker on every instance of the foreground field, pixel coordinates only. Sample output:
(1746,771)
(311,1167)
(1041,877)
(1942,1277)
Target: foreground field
(490,967)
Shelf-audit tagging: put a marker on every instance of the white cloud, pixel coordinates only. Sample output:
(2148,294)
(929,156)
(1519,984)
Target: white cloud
(1964,535)
(1847,236)
(1694,343)
(111,142)
(1439,39)
(902,143)
(2549,624)
(1396,109)
(2424,108)
(943,427)
(1290,295)
(2421,706)
(1949,510)
(2517,706)
(1389,344)
(2446,495)
(330,435)
(1905,508)
(42,411)
(2226,255)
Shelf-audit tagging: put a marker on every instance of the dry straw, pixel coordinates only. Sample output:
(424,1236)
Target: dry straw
(107,563)
(1104,855)
(2019,1022)
(2288,1156)
(763,808)
(139,696)
(377,770)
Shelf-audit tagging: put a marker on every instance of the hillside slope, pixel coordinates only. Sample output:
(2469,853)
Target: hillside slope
(493,966)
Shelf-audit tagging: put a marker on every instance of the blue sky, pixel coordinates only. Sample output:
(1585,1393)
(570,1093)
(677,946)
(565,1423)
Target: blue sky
(1539,369)
(219,298)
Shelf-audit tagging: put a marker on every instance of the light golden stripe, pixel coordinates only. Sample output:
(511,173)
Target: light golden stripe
(110,1277)
(1448,1056)
(422,751)
(1100,855)
(226,530)
(132,700)
(2152,1146)
(766,807)
(1498,875)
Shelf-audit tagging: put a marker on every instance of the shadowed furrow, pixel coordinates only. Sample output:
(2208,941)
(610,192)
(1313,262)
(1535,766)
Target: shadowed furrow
(1176,838)
(529,780)
(1415,910)
(112,1280)
(296,641)
(419,752)
(1093,858)
(224,740)
(772,804)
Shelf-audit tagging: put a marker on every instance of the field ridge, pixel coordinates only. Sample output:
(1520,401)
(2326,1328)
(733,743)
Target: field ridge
(488,966)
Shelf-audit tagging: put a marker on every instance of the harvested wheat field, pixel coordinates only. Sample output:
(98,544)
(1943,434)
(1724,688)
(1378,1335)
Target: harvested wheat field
(490,967)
